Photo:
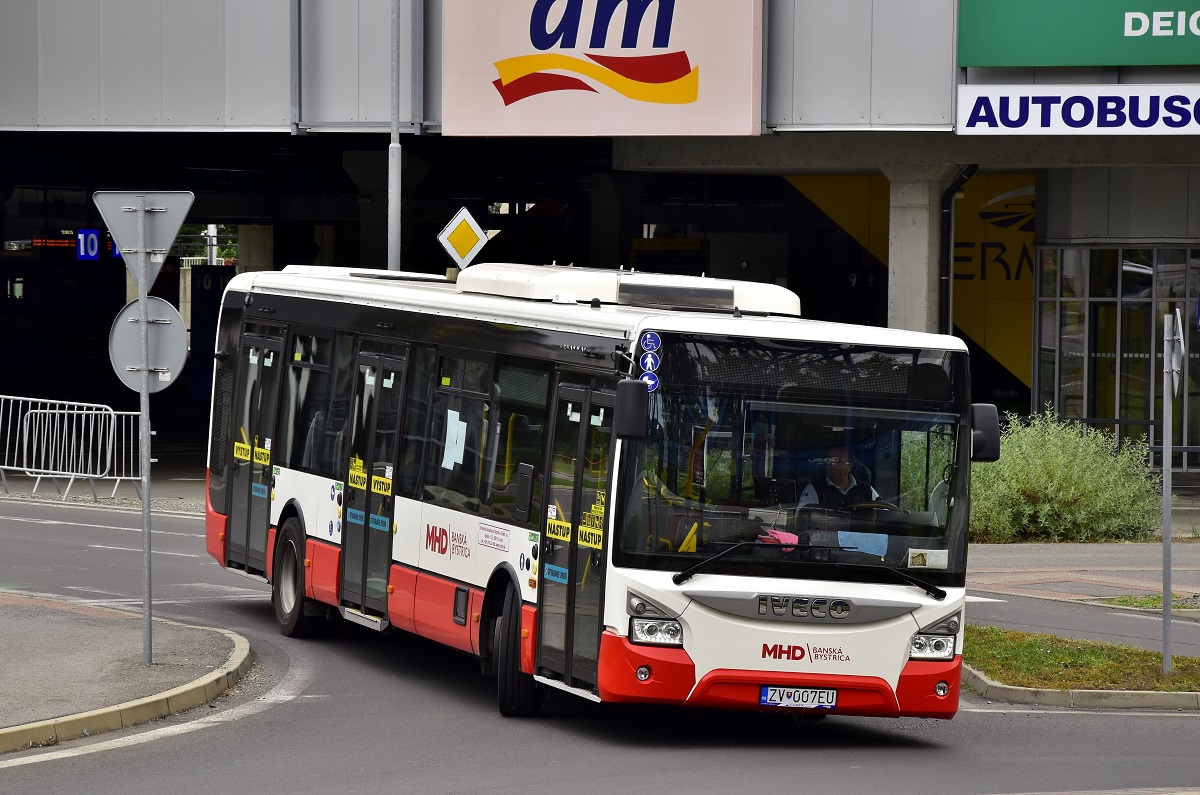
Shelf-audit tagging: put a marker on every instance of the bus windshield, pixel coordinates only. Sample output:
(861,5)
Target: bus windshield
(837,461)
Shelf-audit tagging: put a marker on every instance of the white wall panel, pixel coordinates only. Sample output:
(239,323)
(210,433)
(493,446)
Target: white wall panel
(18,64)
(68,63)
(912,62)
(193,63)
(257,64)
(329,52)
(780,77)
(832,62)
(346,52)
(860,63)
(131,62)
(375,59)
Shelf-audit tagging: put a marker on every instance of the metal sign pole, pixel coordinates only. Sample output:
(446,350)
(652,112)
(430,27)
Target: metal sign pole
(1168,428)
(127,215)
(144,428)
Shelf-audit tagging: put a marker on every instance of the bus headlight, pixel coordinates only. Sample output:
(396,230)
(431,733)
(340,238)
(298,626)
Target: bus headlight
(655,632)
(931,647)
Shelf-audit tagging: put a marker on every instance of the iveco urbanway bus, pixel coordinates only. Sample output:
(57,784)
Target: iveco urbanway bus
(630,487)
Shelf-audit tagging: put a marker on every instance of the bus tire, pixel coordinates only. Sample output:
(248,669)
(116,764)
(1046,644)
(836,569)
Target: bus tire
(518,694)
(287,586)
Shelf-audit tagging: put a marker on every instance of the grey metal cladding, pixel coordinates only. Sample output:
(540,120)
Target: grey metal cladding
(18,64)
(257,66)
(861,63)
(346,62)
(748,604)
(68,62)
(131,63)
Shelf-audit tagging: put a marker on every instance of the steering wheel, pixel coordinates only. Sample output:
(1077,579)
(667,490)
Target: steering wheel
(874,504)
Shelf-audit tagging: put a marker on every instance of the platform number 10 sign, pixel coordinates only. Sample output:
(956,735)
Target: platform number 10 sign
(87,244)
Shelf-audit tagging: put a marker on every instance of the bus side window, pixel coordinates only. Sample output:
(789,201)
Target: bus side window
(305,401)
(336,427)
(523,400)
(461,433)
(416,422)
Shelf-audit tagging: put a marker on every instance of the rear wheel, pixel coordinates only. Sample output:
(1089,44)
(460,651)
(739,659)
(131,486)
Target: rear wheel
(287,587)
(518,694)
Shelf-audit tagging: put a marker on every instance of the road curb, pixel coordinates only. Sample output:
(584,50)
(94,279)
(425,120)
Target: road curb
(130,713)
(1084,699)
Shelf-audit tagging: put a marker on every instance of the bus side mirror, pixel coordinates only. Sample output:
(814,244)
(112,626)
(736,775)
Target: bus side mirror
(633,406)
(985,432)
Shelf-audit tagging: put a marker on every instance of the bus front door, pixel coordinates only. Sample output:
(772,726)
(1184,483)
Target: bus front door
(254,426)
(571,590)
(368,513)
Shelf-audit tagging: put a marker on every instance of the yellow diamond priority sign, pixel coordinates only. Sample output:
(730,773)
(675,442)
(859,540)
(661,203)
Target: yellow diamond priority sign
(462,238)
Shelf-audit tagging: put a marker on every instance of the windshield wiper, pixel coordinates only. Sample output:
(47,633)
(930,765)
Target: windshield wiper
(900,574)
(686,574)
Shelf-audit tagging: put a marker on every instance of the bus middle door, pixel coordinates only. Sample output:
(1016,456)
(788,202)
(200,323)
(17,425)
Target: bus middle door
(570,595)
(369,498)
(254,426)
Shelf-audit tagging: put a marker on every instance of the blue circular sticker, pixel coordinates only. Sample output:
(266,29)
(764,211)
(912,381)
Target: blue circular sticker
(649,361)
(651,342)
(651,381)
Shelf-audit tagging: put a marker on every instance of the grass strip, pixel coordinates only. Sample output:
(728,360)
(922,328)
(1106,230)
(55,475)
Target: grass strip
(1154,601)
(1026,659)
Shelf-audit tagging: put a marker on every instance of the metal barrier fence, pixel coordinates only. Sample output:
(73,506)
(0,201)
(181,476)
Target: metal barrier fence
(52,439)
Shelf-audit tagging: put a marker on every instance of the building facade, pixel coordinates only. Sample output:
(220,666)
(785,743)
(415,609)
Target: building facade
(1000,169)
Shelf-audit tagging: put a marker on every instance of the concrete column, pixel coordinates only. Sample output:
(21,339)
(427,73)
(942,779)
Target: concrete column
(916,195)
(256,247)
(616,208)
(369,170)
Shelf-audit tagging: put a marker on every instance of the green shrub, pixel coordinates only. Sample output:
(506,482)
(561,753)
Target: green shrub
(1063,481)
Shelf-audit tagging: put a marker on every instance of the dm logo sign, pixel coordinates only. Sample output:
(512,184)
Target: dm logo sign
(602,67)
(667,78)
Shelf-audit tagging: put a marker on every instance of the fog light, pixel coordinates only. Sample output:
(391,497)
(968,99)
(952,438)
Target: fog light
(941,688)
(643,673)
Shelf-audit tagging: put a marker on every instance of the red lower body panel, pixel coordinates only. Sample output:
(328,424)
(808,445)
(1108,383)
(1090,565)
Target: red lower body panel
(433,610)
(216,528)
(321,580)
(672,680)
(402,599)
(271,533)
(672,673)
(916,694)
(528,638)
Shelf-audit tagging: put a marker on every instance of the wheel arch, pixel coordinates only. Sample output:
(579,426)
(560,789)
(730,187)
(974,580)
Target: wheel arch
(292,509)
(493,605)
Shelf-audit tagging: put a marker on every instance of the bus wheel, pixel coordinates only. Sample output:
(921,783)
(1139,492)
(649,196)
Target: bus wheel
(519,695)
(287,586)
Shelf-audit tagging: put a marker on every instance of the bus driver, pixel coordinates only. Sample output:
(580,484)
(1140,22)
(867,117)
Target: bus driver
(839,487)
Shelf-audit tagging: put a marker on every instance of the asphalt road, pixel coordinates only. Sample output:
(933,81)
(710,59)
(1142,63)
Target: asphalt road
(358,712)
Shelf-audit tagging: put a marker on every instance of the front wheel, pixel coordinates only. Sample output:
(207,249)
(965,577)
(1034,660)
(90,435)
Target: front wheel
(287,586)
(518,693)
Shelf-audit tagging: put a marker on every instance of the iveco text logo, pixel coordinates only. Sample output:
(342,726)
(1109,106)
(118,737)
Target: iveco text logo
(803,607)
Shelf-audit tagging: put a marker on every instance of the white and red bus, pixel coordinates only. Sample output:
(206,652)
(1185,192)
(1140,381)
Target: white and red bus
(629,487)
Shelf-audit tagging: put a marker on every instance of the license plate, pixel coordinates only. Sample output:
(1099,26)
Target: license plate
(800,697)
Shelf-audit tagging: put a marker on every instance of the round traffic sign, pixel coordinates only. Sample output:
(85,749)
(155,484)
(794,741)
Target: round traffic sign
(167,344)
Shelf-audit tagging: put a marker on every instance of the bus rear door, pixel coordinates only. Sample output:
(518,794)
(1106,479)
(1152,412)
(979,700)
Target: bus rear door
(572,571)
(254,426)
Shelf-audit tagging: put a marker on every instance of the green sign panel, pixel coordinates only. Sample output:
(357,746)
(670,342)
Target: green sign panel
(1078,32)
